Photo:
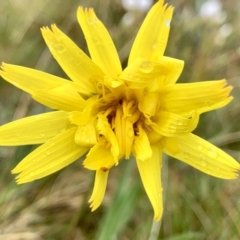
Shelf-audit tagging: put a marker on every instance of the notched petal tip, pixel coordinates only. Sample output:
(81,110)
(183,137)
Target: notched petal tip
(15,171)
(224,82)
(86,12)
(80,12)
(237,169)
(45,29)
(21,182)
(235,174)
(5,66)
(228,89)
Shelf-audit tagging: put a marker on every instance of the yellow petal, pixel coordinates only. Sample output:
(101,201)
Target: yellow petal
(112,83)
(170,124)
(77,65)
(99,157)
(141,73)
(99,189)
(171,144)
(141,146)
(50,157)
(30,80)
(123,127)
(150,172)
(154,137)
(152,37)
(202,96)
(100,44)
(171,69)
(64,98)
(35,129)
(216,105)
(149,104)
(202,155)
(105,129)
(86,135)
(82,118)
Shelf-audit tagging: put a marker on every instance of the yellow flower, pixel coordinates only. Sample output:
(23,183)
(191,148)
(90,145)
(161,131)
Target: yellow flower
(110,113)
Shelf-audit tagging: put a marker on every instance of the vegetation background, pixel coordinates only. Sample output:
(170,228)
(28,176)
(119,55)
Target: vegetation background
(197,206)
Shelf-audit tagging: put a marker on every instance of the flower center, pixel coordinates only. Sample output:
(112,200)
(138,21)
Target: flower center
(123,118)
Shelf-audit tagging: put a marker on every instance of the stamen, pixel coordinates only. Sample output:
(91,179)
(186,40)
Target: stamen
(127,106)
(109,110)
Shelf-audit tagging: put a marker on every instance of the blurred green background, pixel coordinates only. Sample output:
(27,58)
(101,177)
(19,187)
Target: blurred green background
(206,35)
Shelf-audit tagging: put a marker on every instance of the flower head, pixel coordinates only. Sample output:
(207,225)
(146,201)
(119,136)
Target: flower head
(110,113)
